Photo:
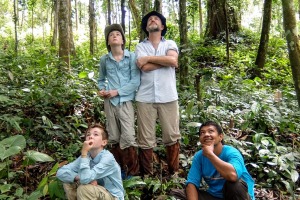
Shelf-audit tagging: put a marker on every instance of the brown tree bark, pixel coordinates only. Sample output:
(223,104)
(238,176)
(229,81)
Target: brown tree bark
(290,27)
(145,9)
(264,38)
(158,6)
(183,60)
(55,22)
(92,25)
(216,19)
(109,12)
(135,14)
(123,14)
(72,45)
(63,30)
(200,18)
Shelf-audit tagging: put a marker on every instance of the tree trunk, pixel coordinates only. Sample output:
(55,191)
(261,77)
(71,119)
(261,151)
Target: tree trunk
(216,19)
(183,61)
(145,9)
(264,38)
(55,23)
(123,14)
(92,25)
(200,18)
(227,32)
(290,27)
(16,26)
(72,45)
(63,30)
(108,12)
(136,15)
(76,15)
(158,6)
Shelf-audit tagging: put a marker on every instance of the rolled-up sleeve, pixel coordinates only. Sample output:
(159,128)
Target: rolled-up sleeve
(67,173)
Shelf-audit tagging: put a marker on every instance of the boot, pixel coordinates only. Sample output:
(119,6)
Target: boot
(130,161)
(173,157)
(117,152)
(146,162)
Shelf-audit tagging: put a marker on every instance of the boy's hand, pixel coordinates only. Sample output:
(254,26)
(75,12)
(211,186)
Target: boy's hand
(112,93)
(94,182)
(103,93)
(87,145)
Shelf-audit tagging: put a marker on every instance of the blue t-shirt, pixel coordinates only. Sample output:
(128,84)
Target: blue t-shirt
(203,168)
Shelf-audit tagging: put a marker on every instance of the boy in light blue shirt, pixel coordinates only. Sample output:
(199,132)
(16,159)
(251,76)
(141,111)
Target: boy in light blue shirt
(119,78)
(95,174)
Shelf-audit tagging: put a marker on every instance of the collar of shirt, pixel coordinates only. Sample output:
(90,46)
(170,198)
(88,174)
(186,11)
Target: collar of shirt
(147,39)
(126,54)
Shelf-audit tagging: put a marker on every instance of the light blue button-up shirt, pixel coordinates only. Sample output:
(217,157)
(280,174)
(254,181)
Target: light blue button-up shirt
(102,168)
(123,76)
(159,85)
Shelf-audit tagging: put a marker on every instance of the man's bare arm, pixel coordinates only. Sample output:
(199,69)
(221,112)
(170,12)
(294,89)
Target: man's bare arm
(191,192)
(148,63)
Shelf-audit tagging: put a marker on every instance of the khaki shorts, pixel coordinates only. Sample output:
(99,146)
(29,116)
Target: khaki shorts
(87,192)
(168,115)
(120,123)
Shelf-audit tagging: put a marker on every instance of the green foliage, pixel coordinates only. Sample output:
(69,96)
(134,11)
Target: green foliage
(10,147)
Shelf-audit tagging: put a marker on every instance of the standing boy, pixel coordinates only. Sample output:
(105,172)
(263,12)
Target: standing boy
(157,95)
(95,174)
(119,78)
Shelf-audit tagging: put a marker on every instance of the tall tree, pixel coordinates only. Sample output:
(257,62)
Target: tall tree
(200,17)
(290,28)
(16,26)
(109,12)
(71,41)
(216,18)
(123,14)
(63,30)
(135,14)
(92,25)
(145,9)
(55,22)
(183,43)
(158,6)
(264,37)
(31,5)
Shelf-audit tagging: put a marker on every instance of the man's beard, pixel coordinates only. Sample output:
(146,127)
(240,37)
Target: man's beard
(153,29)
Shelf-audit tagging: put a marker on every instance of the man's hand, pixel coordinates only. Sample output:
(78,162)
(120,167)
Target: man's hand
(103,93)
(208,148)
(142,61)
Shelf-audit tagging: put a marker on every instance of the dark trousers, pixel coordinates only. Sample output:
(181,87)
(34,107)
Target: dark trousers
(231,191)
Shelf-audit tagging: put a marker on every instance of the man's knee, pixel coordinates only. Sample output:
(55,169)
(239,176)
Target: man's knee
(236,190)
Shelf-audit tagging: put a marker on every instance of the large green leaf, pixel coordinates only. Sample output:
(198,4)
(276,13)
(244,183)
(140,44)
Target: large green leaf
(16,140)
(5,188)
(10,152)
(35,156)
(294,176)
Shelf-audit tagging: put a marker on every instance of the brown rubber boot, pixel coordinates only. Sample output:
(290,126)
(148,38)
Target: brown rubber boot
(117,152)
(173,157)
(130,161)
(146,162)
